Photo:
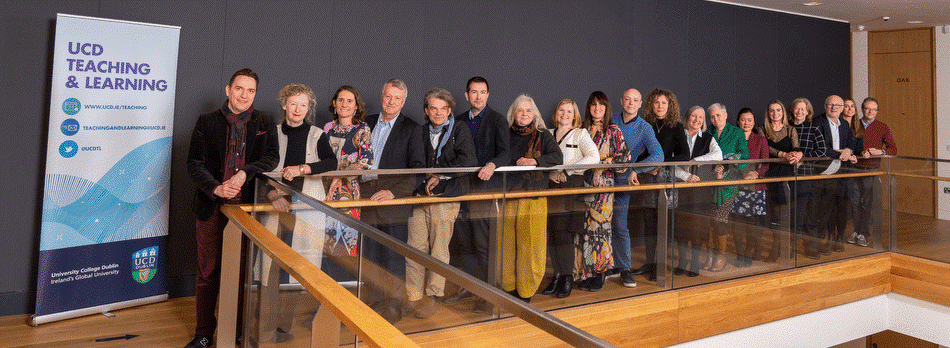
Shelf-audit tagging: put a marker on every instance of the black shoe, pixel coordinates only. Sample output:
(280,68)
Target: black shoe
(692,274)
(199,342)
(567,282)
(555,284)
(597,281)
(626,279)
(458,296)
(613,272)
(646,268)
(481,306)
(679,271)
(652,277)
(585,284)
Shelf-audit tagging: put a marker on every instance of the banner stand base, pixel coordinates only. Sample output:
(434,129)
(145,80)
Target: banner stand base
(103,309)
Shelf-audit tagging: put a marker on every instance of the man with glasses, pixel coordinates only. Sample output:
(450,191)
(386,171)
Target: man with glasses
(839,146)
(878,140)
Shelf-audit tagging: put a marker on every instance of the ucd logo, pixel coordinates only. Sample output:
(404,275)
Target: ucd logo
(71,106)
(145,264)
(68,149)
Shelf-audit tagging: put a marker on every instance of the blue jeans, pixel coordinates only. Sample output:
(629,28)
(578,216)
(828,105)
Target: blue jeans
(620,238)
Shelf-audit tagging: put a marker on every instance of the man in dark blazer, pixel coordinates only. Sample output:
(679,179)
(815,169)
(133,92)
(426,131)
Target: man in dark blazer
(397,144)
(839,146)
(228,148)
(469,247)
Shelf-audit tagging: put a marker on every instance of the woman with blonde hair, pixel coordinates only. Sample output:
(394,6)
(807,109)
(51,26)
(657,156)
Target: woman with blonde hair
(567,212)
(524,237)
(782,140)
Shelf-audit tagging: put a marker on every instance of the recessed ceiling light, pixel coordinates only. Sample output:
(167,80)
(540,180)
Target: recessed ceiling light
(915,22)
(811,3)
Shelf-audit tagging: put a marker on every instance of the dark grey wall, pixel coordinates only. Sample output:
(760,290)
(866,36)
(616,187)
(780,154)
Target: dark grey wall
(704,52)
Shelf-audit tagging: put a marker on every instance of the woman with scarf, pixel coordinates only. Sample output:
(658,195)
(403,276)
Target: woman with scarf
(350,139)
(431,225)
(524,237)
(593,255)
(567,211)
(732,141)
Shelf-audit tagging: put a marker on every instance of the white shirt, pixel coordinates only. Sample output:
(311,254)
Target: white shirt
(835,144)
(714,154)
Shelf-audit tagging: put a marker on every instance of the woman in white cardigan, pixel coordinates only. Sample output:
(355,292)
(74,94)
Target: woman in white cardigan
(304,149)
(567,212)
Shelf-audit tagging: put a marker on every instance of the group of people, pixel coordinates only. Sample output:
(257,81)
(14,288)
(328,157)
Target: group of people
(587,237)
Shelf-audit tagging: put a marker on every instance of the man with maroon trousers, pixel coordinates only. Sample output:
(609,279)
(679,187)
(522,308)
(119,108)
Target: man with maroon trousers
(229,147)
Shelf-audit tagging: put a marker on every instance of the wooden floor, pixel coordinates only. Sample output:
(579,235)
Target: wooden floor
(171,323)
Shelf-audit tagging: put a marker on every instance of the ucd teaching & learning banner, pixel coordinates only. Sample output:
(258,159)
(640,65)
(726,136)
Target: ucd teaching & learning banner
(105,204)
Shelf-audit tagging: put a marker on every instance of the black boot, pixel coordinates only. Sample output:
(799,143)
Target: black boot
(566,282)
(597,281)
(555,284)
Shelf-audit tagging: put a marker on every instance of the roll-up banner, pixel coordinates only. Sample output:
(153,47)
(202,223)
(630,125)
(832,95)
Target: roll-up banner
(105,201)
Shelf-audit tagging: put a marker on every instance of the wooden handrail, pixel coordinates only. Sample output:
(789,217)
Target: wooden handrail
(356,315)
(361,203)
(928,177)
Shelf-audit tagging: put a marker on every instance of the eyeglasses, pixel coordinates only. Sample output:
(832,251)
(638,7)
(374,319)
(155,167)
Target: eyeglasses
(869,109)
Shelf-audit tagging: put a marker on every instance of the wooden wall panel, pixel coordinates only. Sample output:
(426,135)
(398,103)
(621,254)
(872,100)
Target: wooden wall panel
(901,77)
(899,41)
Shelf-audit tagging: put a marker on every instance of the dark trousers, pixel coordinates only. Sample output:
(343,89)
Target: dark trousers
(643,222)
(561,230)
(386,258)
(209,235)
(469,245)
(819,211)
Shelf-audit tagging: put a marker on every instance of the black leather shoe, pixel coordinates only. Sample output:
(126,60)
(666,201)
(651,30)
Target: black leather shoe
(555,284)
(646,268)
(199,342)
(567,282)
(458,296)
(679,271)
(585,284)
(597,281)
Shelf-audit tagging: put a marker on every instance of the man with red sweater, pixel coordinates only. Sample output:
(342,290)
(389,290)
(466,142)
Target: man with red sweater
(877,140)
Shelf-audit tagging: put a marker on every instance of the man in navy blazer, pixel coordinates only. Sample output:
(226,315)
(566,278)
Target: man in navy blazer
(469,247)
(397,144)
(839,146)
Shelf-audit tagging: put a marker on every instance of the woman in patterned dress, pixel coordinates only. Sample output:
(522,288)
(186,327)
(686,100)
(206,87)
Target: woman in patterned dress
(593,255)
(350,139)
(750,205)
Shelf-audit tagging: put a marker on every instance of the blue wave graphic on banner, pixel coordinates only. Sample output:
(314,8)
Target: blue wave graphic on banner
(128,202)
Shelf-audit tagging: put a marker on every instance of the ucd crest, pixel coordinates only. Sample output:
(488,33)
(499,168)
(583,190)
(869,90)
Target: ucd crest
(145,262)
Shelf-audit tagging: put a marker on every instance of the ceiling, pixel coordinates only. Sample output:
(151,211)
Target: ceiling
(866,14)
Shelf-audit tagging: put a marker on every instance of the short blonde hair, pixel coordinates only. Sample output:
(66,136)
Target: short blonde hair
(295,89)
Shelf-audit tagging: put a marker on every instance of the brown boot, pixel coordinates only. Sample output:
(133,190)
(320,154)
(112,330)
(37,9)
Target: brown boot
(711,250)
(720,263)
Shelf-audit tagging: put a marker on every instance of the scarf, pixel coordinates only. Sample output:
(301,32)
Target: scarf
(237,136)
(534,144)
(447,126)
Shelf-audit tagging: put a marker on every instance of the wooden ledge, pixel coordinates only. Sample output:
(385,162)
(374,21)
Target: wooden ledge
(687,314)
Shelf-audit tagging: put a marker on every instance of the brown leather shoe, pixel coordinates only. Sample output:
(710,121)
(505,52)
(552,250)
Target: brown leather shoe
(458,296)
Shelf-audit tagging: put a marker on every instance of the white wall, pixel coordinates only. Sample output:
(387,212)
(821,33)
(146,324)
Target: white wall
(859,66)
(942,96)
(842,324)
